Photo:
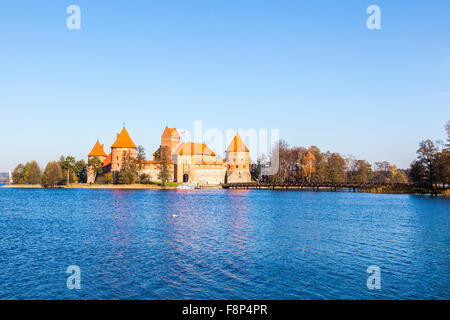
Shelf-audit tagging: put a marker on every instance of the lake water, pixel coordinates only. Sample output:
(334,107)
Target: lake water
(223,244)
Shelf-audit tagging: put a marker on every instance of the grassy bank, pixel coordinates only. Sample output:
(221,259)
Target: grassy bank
(156,185)
(23,186)
(152,185)
(170,185)
(402,189)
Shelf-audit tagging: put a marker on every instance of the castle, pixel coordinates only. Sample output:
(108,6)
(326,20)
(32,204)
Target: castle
(189,162)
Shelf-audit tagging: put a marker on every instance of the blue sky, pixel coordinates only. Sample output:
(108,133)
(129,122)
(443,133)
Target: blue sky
(309,68)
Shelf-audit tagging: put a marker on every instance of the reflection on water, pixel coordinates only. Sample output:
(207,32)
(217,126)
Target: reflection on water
(218,244)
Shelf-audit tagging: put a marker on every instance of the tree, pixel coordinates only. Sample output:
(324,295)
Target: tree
(128,162)
(108,178)
(447,129)
(416,173)
(67,165)
(164,172)
(34,173)
(308,166)
(157,154)
(256,168)
(336,170)
(397,176)
(287,161)
(126,177)
(18,174)
(80,171)
(443,167)
(52,175)
(140,156)
(96,166)
(428,154)
(444,158)
(432,165)
(127,173)
(320,173)
(350,162)
(362,172)
(144,178)
(382,172)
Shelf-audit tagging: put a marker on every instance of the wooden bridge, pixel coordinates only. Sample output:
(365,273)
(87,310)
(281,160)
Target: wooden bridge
(333,186)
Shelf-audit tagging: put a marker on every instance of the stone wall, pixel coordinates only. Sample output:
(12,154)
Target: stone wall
(234,176)
(152,170)
(209,174)
(117,157)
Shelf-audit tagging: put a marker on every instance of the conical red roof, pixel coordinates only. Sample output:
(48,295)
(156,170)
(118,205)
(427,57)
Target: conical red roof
(237,144)
(97,150)
(123,140)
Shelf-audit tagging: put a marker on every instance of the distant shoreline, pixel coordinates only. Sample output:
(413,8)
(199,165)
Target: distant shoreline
(93,186)
(382,190)
(23,186)
(102,186)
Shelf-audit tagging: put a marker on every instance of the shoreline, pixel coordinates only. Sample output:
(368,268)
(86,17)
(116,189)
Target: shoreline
(103,186)
(210,187)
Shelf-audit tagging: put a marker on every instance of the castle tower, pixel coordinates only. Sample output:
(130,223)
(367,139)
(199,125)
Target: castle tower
(121,149)
(238,161)
(96,152)
(170,138)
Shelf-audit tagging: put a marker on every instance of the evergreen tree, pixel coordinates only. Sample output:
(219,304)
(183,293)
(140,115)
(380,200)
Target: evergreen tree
(80,171)
(67,164)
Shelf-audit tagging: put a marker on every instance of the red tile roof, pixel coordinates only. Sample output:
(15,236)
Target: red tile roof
(193,148)
(237,144)
(172,132)
(123,140)
(97,150)
(107,161)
